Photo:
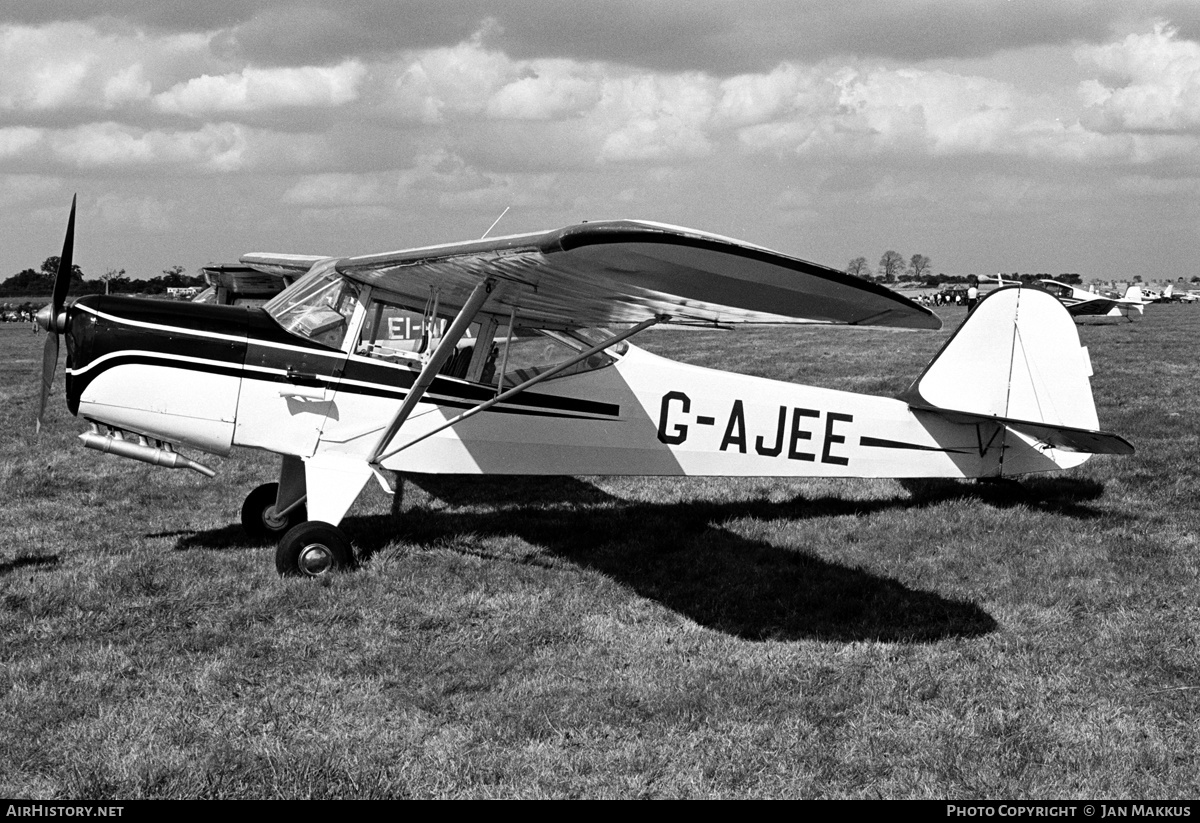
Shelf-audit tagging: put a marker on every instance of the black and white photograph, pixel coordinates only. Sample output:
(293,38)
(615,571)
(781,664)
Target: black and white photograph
(637,399)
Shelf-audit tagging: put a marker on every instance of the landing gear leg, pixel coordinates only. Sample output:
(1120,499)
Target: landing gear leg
(332,482)
(313,549)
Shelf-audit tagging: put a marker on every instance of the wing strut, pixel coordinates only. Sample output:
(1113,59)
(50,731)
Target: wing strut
(441,354)
(546,375)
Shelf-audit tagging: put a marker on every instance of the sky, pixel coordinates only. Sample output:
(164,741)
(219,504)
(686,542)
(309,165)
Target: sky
(991,136)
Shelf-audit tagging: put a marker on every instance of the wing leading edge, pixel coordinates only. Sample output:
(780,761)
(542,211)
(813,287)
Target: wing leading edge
(622,272)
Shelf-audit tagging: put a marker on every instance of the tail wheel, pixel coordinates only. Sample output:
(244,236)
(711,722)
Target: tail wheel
(260,519)
(313,549)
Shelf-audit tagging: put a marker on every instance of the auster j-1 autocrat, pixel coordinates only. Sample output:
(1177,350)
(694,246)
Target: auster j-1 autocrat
(510,355)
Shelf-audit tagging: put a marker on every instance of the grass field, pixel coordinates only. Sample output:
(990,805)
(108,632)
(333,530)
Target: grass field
(614,637)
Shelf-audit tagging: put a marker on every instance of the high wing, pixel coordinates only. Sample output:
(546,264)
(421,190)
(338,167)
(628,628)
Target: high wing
(624,272)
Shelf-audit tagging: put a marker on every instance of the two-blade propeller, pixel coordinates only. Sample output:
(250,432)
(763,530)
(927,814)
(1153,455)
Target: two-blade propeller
(53,318)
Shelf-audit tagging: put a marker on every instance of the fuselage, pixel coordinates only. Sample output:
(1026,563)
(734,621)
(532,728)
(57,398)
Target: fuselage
(215,377)
(1082,303)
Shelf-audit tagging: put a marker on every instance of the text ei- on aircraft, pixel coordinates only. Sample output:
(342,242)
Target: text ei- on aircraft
(520,365)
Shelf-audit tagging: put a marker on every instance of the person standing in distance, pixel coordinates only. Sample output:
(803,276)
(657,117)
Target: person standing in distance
(972,293)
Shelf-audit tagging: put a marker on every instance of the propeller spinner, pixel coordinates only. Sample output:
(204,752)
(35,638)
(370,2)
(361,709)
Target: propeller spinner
(53,318)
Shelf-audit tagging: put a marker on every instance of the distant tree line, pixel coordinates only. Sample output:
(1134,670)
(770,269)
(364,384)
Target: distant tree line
(39,282)
(919,269)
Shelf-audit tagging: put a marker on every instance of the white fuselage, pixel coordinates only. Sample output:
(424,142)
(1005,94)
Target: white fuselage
(641,415)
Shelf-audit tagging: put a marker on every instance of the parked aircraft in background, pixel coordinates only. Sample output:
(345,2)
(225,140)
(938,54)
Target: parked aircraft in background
(1083,303)
(496,356)
(1169,295)
(240,286)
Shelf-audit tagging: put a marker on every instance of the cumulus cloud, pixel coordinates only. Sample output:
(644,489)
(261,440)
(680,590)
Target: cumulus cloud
(342,189)
(38,69)
(364,109)
(749,99)
(259,89)
(948,113)
(853,111)
(553,89)
(216,147)
(127,85)
(656,117)
(439,179)
(1149,82)
(75,66)
(115,147)
(830,109)
(439,84)
(1145,82)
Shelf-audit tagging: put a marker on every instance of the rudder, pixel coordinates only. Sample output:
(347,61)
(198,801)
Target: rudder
(1017,360)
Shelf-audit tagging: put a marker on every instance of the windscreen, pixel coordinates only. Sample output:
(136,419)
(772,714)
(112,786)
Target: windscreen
(318,306)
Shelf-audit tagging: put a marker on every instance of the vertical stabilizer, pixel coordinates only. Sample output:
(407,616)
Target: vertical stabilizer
(1017,360)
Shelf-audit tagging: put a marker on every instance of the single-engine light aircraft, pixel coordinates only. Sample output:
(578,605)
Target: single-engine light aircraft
(1169,296)
(510,355)
(1083,303)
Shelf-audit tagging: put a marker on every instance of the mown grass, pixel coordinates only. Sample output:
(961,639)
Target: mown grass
(617,637)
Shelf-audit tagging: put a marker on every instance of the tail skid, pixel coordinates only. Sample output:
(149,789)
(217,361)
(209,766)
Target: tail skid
(1017,361)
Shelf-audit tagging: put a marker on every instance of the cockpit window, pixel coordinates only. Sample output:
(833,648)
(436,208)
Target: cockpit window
(394,332)
(408,335)
(319,306)
(532,352)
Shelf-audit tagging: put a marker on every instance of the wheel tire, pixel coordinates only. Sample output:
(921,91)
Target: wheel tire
(259,518)
(313,549)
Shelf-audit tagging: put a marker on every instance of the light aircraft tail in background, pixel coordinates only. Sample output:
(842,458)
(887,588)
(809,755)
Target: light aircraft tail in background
(1083,303)
(510,355)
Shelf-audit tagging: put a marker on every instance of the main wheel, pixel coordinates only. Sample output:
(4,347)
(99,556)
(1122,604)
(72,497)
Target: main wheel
(259,518)
(313,549)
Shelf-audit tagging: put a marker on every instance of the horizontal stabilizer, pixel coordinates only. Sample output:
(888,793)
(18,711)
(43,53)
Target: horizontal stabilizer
(1066,438)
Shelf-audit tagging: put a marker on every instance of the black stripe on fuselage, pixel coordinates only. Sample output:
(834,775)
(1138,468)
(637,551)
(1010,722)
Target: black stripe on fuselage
(102,328)
(169,362)
(881,443)
(249,343)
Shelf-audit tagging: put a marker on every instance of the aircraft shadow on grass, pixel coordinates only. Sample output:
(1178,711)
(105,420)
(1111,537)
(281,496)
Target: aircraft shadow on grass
(678,554)
(26,560)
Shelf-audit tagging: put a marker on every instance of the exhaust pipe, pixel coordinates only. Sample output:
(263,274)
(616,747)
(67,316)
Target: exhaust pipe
(159,454)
